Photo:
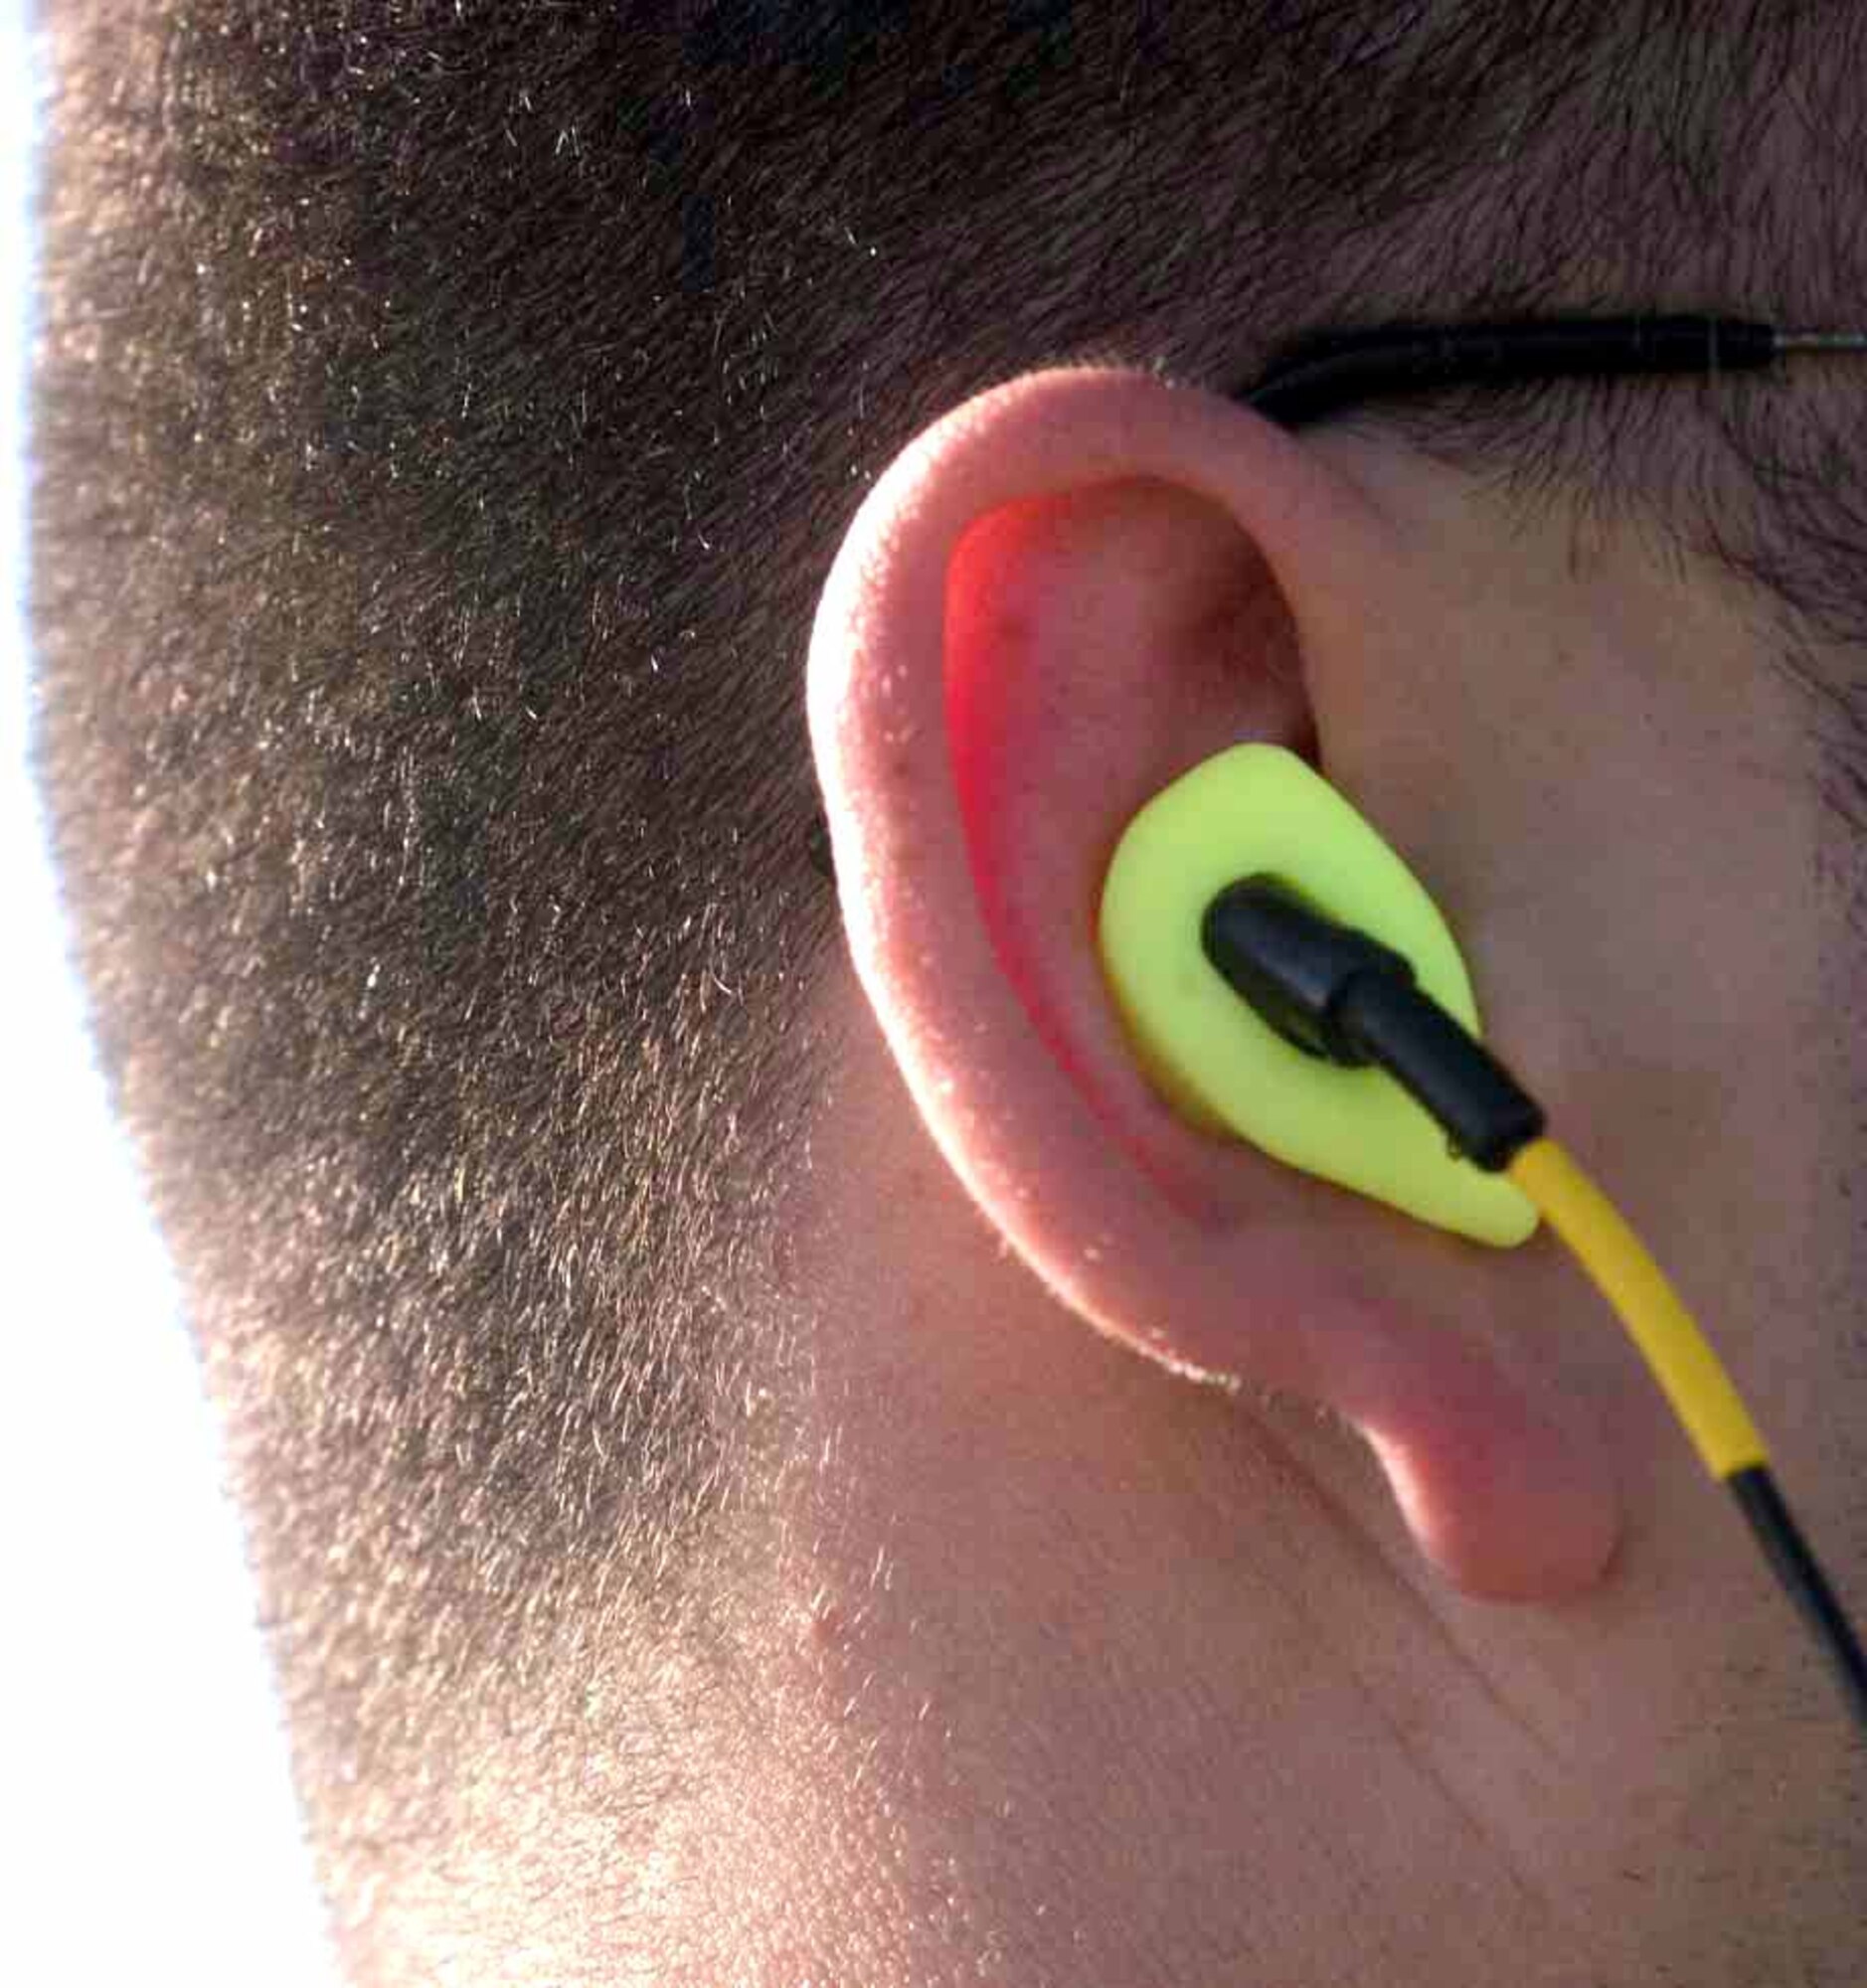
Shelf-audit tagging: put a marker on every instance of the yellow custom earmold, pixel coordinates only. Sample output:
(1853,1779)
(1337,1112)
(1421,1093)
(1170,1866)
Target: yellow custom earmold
(1258,810)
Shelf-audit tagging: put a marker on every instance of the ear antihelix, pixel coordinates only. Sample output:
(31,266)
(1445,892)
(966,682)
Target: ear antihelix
(1259,812)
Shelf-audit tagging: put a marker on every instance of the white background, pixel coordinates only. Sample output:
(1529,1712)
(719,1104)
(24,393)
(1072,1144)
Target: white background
(148,1826)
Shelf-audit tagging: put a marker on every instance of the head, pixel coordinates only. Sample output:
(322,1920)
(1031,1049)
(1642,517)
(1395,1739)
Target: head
(768,1450)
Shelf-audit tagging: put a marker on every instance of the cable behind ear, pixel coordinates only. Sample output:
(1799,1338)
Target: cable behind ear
(1262,812)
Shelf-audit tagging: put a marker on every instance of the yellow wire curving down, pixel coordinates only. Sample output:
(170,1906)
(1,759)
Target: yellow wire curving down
(1616,1261)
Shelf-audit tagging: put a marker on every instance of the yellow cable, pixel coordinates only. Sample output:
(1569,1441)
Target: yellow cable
(1618,1262)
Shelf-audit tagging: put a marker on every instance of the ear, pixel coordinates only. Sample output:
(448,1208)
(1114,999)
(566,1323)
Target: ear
(1058,600)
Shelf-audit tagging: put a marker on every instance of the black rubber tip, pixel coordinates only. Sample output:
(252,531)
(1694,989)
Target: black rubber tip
(1333,991)
(1293,965)
(1488,1114)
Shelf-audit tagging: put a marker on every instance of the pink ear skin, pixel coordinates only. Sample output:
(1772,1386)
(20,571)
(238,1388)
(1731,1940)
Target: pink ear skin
(1059,598)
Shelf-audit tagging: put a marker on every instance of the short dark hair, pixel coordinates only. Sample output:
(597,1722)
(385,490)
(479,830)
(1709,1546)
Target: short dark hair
(445,418)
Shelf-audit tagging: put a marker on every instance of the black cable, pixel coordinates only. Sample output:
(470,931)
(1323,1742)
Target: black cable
(1807,1586)
(1323,372)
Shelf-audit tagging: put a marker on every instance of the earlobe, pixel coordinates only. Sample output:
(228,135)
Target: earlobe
(1059,598)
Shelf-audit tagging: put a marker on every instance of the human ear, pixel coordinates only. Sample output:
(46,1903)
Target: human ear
(1058,600)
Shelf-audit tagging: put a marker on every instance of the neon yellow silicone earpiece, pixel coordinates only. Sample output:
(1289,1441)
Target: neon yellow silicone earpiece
(1260,810)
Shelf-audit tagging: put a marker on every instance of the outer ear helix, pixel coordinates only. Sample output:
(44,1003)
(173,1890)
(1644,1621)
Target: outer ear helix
(1258,811)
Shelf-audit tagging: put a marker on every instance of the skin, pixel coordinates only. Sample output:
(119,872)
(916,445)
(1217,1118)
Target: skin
(1445,1663)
